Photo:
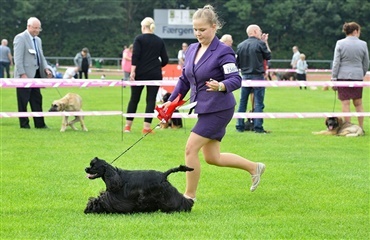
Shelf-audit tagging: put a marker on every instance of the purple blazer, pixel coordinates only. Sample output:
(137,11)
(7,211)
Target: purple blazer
(218,63)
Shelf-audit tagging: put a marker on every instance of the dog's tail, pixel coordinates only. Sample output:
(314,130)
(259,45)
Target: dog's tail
(180,168)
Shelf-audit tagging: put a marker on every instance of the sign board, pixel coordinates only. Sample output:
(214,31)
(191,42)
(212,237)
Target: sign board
(174,23)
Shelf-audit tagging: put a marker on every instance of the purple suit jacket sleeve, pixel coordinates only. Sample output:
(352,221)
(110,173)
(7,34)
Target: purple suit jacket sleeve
(218,63)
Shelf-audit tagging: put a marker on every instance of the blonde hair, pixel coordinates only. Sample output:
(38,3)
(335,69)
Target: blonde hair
(302,56)
(208,13)
(226,37)
(148,22)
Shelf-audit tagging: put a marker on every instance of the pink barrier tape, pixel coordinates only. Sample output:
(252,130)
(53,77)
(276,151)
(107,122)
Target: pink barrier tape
(308,70)
(57,114)
(293,70)
(55,83)
(250,83)
(183,115)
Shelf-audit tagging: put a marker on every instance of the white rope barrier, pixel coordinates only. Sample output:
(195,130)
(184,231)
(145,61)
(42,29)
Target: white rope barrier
(56,83)
(262,115)
(184,115)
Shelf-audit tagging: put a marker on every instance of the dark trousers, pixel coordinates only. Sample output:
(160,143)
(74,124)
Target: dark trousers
(34,97)
(301,77)
(85,72)
(4,65)
(151,94)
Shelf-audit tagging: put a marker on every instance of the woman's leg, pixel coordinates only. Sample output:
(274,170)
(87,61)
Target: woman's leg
(359,108)
(346,108)
(134,101)
(193,146)
(151,95)
(212,155)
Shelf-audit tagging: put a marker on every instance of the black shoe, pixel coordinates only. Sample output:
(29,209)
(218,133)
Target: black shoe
(263,132)
(44,127)
(26,127)
(239,128)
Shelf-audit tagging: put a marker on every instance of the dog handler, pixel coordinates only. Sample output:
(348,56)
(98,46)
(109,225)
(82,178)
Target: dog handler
(351,61)
(210,73)
(29,62)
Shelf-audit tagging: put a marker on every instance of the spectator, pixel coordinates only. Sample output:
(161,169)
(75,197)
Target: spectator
(251,54)
(227,39)
(83,61)
(181,54)
(6,59)
(30,62)
(351,62)
(148,57)
(301,69)
(295,57)
(211,75)
(126,62)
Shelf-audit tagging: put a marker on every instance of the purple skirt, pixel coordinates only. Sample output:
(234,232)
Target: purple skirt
(213,125)
(347,93)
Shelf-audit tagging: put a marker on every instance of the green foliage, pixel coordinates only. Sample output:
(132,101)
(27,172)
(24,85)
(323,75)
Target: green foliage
(314,187)
(106,26)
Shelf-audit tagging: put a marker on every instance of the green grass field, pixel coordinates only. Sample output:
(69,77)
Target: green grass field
(314,187)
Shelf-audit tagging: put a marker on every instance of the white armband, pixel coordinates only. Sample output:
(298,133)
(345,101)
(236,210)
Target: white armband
(230,68)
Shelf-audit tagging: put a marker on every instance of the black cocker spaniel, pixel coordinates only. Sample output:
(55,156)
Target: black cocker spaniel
(134,191)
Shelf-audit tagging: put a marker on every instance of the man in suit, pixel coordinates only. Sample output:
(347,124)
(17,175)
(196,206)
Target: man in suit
(29,62)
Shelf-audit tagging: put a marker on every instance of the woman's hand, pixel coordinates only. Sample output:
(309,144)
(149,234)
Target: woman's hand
(214,86)
(132,76)
(166,105)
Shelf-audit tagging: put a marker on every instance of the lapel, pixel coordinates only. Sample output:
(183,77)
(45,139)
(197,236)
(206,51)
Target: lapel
(28,40)
(207,54)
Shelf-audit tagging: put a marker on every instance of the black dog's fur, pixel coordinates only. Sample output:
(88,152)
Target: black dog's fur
(133,191)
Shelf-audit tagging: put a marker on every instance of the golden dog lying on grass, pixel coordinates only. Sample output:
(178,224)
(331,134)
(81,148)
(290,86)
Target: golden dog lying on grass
(337,126)
(71,102)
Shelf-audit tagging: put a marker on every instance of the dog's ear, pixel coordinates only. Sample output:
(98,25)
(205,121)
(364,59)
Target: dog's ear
(62,106)
(326,122)
(112,179)
(340,121)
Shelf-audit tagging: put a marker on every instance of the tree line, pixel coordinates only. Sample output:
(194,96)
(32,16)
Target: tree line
(105,26)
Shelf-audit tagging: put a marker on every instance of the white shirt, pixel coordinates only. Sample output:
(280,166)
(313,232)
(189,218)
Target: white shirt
(70,73)
(301,67)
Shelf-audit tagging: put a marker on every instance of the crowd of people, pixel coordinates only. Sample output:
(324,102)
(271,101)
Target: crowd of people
(211,72)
